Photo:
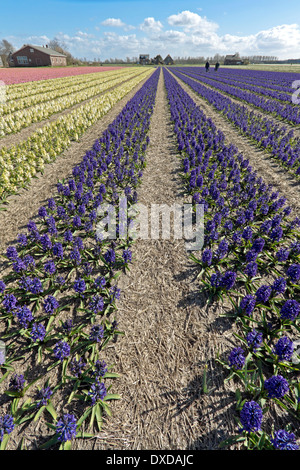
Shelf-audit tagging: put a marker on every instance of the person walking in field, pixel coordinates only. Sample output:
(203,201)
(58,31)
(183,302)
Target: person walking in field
(217,66)
(207,66)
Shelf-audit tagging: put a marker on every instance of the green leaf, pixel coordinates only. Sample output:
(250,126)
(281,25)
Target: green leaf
(4,442)
(93,416)
(51,410)
(12,394)
(67,445)
(84,417)
(232,440)
(99,417)
(84,435)
(111,375)
(38,414)
(114,396)
(5,375)
(49,443)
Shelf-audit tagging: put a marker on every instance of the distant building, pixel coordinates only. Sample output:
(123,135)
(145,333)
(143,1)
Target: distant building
(1,63)
(144,59)
(233,60)
(37,56)
(168,60)
(158,60)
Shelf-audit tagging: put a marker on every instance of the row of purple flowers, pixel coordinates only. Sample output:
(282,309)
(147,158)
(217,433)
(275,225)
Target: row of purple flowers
(250,258)
(280,81)
(278,103)
(265,132)
(59,297)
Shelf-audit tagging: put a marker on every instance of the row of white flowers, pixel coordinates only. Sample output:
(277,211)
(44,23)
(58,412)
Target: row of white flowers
(12,123)
(19,163)
(20,90)
(54,88)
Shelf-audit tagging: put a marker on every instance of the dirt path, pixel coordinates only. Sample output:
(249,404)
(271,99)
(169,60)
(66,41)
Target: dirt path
(169,335)
(24,206)
(260,160)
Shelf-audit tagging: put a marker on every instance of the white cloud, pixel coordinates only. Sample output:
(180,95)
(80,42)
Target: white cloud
(282,38)
(189,35)
(83,34)
(114,22)
(150,25)
(192,21)
(173,35)
(38,40)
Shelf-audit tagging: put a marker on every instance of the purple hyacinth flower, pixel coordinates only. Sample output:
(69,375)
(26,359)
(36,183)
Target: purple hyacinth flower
(263,294)
(66,428)
(279,286)
(17,382)
(2,287)
(284,440)
(293,272)
(236,358)
(38,332)
(50,304)
(207,257)
(248,304)
(9,302)
(79,286)
(61,350)
(284,348)
(24,316)
(251,269)
(290,310)
(77,366)
(277,386)
(6,425)
(96,304)
(50,267)
(110,256)
(227,280)
(254,339)
(97,333)
(43,396)
(100,369)
(97,391)
(251,416)
(11,253)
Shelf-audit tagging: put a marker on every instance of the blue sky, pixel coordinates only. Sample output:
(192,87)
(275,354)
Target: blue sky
(126,28)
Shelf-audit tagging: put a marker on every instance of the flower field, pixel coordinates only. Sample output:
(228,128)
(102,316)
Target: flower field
(277,139)
(16,76)
(61,306)
(250,256)
(20,163)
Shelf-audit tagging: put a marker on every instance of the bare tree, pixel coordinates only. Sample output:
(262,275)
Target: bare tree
(5,49)
(60,46)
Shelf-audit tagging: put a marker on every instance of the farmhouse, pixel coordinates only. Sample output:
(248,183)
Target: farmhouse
(158,60)
(35,56)
(144,59)
(168,60)
(233,60)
